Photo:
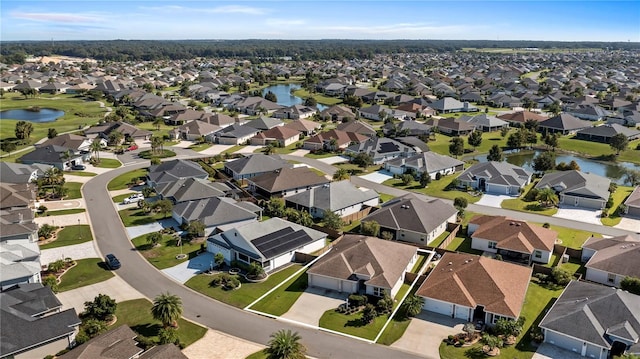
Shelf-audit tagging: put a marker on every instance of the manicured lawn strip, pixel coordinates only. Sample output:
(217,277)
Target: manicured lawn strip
(419,263)
(159,154)
(137,315)
(618,197)
(258,355)
(434,189)
(123,181)
(441,143)
(233,149)
(136,217)
(81,174)
(200,147)
(355,169)
(461,244)
(149,126)
(352,324)
(596,149)
(384,197)
(281,299)
(351,227)
(62,212)
(325,100)
(119,198)
(86,271)
(572,238)
(109,163)
(536,303)
(438,241)
(520,205)
(73,190)
(321,155)
(164,255)
(70,235)
(400,321)
(247,293)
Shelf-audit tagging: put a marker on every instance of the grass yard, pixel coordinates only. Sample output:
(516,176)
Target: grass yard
(86,271)
(73,190)
(258,355)
(321,155)
(357,170)
(109,163)
(596,149)
(164,256)
(13,157)
(233,149)
(149,126)
(325,100)
(137,315)
(573,238)
(281,299)
(159,154)
(538,300)
(462,244)
(81,174)
(123,181)
(384,197)
(70,235)
(119,198)
(136,217)
(618,197)
(62,212)
(352,324)
(441,143)
(518,204)
(243,296)
(437,188)
(200,147)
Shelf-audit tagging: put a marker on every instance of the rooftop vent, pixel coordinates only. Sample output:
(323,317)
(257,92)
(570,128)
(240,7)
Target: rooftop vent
(450,263)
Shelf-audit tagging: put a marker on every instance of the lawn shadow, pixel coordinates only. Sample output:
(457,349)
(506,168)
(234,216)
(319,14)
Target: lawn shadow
(147,329)
(299,285)
(475,353)
(355,323)
(103,265)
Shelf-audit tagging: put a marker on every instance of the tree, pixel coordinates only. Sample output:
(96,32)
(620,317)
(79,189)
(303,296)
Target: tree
(370,228)
(271,96)
(218,259)
(102,308)
(492,342)
(619,142)
(93,327)
(310,101)
(460,203)
(195,229)
(23,130)
(509,327)
(8,146)
(363,160)
(551,140)
(406,179)
(332,220)
(168,336)
(561,275)
(633,177)
(305,219)
(115,138)
(341,174)
(369,313)
(547,196)
(413,305)
(631,285)
(425,179)
(52,132)
(456,147)
(46,230)
(469,329)
(275,207)
(157,123)
(164,205)
(531,125)
(95,147)
(475,139)
(51,281)
(154,238)
(530,137)
(285,344)
(544,162)
(515,140)
(495,154)
(504,131)
(167,308)
(554,108)
(156,143)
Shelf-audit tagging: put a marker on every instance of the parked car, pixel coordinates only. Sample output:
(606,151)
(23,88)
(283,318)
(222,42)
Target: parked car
(112,262)
(132,147)
(78,167)
(134,198)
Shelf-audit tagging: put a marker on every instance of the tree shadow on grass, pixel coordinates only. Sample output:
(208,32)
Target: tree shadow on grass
(299,285)
(475,353)
(147,329)
(536,207)
(355,323)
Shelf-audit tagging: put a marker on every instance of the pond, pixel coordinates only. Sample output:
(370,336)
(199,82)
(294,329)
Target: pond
(43,115)
(613,170)
(285,98)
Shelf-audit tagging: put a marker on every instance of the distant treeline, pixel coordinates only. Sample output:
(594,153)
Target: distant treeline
(127,50)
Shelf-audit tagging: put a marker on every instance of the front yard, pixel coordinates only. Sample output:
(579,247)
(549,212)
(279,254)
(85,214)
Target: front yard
(136,217)
(437,188)
(124,180)
(85,272)
(70,235)
(108,163)
(281,299)
(73,190)
(618,197)
(164,254)
(523,205)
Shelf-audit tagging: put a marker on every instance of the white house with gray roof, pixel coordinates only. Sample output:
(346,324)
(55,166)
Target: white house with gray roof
(19,263)
(495,177)
(171,171)
(609,260)
(341,198)
(254,165)
(189,189)
(579,189)
(215,212)
(20,172)
(431,162)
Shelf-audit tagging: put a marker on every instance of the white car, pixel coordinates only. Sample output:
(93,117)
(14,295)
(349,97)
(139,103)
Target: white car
(134,198)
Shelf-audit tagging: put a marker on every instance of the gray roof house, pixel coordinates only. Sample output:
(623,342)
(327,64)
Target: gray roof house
(632,203)
(215,212)
(485,123)
(117,343)
(412,219)
(341,198)
(564,124)
(189,189)
(579,189)
(195,129)
(378,264)
(32,324)
(608,260)
(271,243)
(235,134)
(450,104)
(381,149)
(171,171)
(604,133)
(21,173)
(17,224)
(286,181)
(55,156)
(594,321)
(431,162)
(74,142)
(495,177)
(19,263)
(254,165)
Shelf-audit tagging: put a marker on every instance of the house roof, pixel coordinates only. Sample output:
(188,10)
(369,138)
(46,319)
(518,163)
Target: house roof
(484,120)
(614,255)
(265,123)
(116,343)
(303,125)
(333,196)
(173,170)
(17,222)
(591,312)
(360,127)
(610,131)
(338,111)
(237,131)
(166,351)
(522,116)
(21,326)
(16,195)
(213,211)
(566,122)
(47,154)
(427,161)
(514,235)
(451,123)
(288,178)
(278,133)
(576,183)
(412,213)
(19,260)
(67,140)
(381,146)
(634,198)
(341,137)
(18,172)
(502,173)
(257,163)
(191,188)
(198,128)
(471,280)
(384,261)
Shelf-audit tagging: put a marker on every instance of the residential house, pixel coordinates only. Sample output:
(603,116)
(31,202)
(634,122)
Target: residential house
(295,112)
(632,203)
(381,149)
(451,126)
(589,112)
(74,142)
(594,321)
(33,324)
(19,262)
(341,198)
(333,140)
(21,173)
(306,127)
(173,170)
(191,188)
(214,212)
(514,240)
(337,113)
(361,264)
(430,162)
(281,136)
(115,343)
(129,132)
(604,133)
(271,243)
(255,105)
(263,123)
(374,112)
(254,165)
(406,128)
(412,219)
(485,123)
(579,189)
(17,224)
(564,124)
(286,181)
(360,127)
(519,118)
(62,158)
(17,195)
(450,104)
(608,260)
(475,288)
(495,177)
(195,130)
(235,134)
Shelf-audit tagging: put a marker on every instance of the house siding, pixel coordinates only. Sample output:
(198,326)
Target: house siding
(602,277)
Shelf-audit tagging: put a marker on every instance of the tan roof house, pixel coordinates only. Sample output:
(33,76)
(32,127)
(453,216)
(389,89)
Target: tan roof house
(286,181)
(283,136)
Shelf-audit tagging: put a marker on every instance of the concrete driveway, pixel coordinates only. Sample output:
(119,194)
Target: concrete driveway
(630,224)
(227,347)
(312,304)
(425,333)
(215,149)
(334,159)
(115,287)
(548,351)
(579,214)
(493,200)
(137,231)
(76,251)
(188,269)
(378,177)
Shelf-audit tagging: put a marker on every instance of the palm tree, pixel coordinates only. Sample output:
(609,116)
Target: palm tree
(156,142)
(547,196)
(167,308)
(413,305)
(95,148)
(157,122)
(285,345)
(341,174)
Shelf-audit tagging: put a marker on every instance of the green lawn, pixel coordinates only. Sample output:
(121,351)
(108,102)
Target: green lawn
(81,174)
(287,150)
(73,190)
(399,323)
(200,147)
(137,315)
(462,244)
(136,217)
(109,163)
(123,181)
(441,143)
(70,235)
(357,170)
(536,303)
(159,154)
(573,238)
(596,149)
(164,256)
(437,188)
(438,241)
(119,198)
(321,155)
(243,296)
(13,157)
(258,355)
(352,324)
(518,204)
(149,126)
(618,197)
(281,299)
(63,212)
(233,149)
(325,100)
(384,197)
(86,271)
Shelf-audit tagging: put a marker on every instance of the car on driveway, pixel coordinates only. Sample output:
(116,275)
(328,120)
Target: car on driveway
(78,167)
(134,198)
(112,262)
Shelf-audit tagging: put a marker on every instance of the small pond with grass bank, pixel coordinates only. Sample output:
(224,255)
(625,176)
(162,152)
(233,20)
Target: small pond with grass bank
(32,114)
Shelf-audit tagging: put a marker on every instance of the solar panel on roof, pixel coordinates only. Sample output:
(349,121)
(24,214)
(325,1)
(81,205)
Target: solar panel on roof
(281,241)
(388,147)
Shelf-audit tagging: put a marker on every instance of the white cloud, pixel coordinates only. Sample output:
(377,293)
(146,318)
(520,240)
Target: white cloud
(229,9)
(285,22)
(56,17)
(401,28)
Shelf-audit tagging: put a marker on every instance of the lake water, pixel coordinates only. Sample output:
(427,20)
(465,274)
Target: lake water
(44,115)
(285,98)
(613,170)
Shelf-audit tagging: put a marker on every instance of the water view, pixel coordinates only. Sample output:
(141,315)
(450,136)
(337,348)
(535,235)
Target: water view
(43,115)
(285,98)
(613,170)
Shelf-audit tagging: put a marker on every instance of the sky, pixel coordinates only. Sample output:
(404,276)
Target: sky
(582,20)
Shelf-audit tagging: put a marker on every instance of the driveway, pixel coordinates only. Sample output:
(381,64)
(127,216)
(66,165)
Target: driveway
(64,220)
(630,224)
(215,149)
(312,304)
(548,351)
(493,200)
(378,177)
(227,347)
(183,144)
(188,269)
(299,153)
(425,333)
(334,159)
(249,149)
(115,287)
(137,231)
(76,251)
(579,214)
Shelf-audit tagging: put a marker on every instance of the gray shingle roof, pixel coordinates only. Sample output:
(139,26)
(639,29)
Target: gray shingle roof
(18,172)
(117,343)
(497,172)
(333,196)
(288,178)
(614,255)
(175,169)
(213,211)
(576,183)
(427,161)
(257,163)
(187,189)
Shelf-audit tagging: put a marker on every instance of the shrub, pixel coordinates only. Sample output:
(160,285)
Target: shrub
(386,235)
(356,300)
(385,304)
(52,282)
(546,225)
(56,266)
(225,280)
(145,342)
(561,275)
(46,231)
(631,284)
(438,176)
(102,307)
(542,277)
(167,336)
(369,313)
(255,270)
(460,202)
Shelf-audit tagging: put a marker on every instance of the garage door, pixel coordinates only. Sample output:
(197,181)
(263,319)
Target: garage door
(462,312)
(438,306)
(562,341)
(324,282)
(634,212)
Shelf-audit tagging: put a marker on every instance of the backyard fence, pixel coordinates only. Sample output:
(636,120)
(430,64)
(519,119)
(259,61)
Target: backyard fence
(453,228)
